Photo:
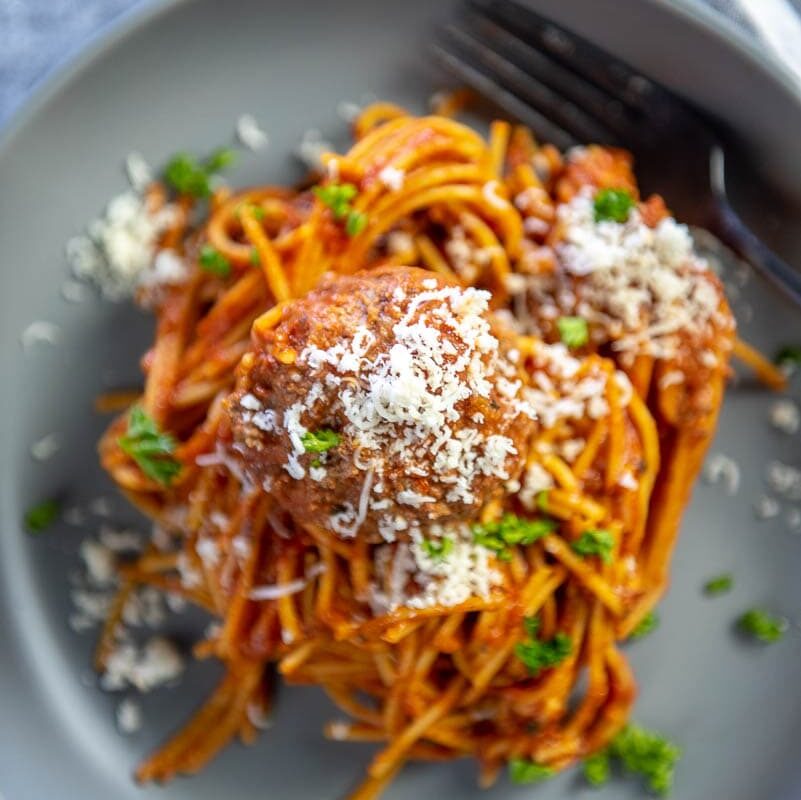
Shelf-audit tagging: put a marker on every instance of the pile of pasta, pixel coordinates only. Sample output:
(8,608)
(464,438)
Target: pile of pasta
(431,683)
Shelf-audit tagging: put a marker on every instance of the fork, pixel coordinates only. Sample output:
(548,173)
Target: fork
(571,92)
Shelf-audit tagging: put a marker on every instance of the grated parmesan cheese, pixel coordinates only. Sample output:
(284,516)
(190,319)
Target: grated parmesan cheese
(640,286)
(250,133)
(392,178)
(40,332)
(785,417)
(129,716)
(767,507)
(46,447)
(722,469)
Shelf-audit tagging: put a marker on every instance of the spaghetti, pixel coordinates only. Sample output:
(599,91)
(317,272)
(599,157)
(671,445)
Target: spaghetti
(457,612)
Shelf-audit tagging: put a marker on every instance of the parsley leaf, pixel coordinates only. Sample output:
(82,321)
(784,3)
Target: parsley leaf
(221,158)
(573,331)
(542,500)
(596,768)
(338,197)
(320,441)
(41,516)
(719,584)
(648,754)
(521,770)
(613,205)
(189,176)
(788,356)
(762,625)
(510,531)
(151,449)
(648,624)
(438,550)
(537,654)
(595,543)
(355,223)
(214,261)
(255,260)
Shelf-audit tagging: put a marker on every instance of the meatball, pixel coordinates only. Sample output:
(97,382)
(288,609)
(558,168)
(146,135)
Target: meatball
(382,403)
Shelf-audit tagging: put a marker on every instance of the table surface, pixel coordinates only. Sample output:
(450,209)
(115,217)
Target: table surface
(40,35)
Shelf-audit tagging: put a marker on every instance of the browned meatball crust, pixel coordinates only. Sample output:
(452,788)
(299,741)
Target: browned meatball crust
(381,403)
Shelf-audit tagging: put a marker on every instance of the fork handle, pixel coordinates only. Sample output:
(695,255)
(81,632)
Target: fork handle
(732,231)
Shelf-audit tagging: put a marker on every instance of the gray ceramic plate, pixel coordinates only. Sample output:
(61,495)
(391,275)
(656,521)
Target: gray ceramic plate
(178,77)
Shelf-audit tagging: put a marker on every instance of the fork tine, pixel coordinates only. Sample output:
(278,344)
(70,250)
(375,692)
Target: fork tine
(584,58)
(492,66)
(581,100)
(488,87)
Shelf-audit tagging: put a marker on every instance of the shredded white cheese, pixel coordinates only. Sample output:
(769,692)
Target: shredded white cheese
(785,417)
(722,469)
(250,133)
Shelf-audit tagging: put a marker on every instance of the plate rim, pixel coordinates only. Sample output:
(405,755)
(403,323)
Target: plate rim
(69,69)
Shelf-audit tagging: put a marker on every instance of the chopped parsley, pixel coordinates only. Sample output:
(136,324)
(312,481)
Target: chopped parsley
(355,223)
(337,197)
(537,654)
(788,356)
(254,257)
(213,261)
(41,516)
(220,159)
(648,624)
(149,447)
(720,584)
(438,550)
(597,768)
(510,531)
(640,752)
(762,625)
(189,176)
(613,205)
(595,543)
(521,770)
(573,331)
(542,500)
(320,441)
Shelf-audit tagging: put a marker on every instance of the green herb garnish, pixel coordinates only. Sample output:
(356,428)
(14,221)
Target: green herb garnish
(542,500)
(640,752)
(762,625)
(437,549)
(573,331)
(41,516)
(189,176)
(150,448)
(355,223)
(254,257)
(613,205)
(596,769)
(522,770)
(338,197)
(320,441)
(510,531)
(648,624)
(213,261)
(221,158)
(788,356)
(537,654)
(719,584)
(595,543)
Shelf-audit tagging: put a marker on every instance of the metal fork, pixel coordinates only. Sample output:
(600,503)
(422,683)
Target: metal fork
(571,92)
